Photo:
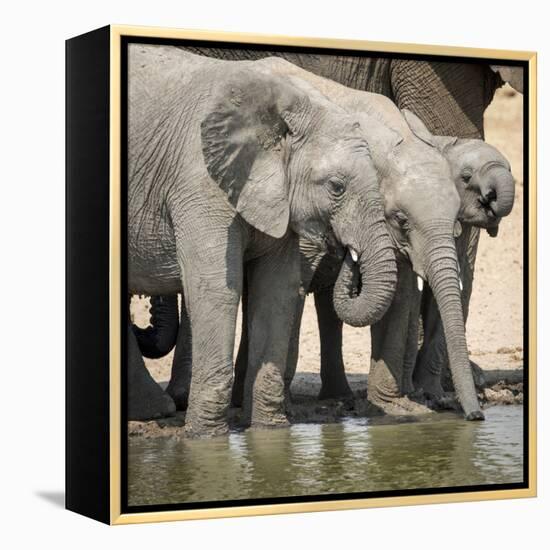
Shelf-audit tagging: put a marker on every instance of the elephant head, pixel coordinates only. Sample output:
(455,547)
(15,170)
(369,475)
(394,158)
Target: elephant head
(421,208)
(481,174)
(288,158)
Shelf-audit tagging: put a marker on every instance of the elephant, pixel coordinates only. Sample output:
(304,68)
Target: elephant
(230,163)
(421,205)
(486,186)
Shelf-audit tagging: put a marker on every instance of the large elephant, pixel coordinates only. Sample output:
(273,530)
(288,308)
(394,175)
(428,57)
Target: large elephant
(229,164)
(421,208)
(449,97)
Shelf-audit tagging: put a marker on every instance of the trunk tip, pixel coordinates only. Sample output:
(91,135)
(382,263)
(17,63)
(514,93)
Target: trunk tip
(475,415)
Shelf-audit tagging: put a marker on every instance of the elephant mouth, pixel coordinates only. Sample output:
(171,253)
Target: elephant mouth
(400,245)
(481,215)
(333,246)
(487,207)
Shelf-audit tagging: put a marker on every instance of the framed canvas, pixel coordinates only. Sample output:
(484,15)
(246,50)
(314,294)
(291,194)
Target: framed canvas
(239,209)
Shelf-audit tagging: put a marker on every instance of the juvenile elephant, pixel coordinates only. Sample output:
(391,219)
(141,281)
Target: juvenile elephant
(229,163)
(486,186)
(421,208)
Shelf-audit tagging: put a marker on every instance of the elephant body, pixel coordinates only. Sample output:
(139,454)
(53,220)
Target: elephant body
(230,163)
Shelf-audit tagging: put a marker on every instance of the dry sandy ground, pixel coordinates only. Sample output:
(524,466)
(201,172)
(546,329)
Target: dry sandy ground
(495,324)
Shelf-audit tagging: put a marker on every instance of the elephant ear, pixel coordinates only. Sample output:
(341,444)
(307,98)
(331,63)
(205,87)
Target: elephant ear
(243,144)
(380,137)
(419,129)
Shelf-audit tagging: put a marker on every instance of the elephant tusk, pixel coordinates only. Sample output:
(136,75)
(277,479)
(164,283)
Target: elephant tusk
(354,255)
(420,283)
(460,284)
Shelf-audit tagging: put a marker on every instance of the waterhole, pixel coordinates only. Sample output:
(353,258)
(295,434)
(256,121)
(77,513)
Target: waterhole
(355,455)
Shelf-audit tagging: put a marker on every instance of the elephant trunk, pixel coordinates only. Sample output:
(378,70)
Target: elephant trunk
(443,277)
(498,190)
(366,284)
(158,339)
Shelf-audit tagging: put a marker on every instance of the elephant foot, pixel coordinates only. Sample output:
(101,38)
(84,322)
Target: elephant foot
(474,416)
(386,397)
(334,383)
(265,403)
(396,406)
(151,407)
(205,416)
(342,398)
(340,392)
(263,417)
(429,384)
(147,400)
(447,401)
(191,431)
(277,421)
(180,396)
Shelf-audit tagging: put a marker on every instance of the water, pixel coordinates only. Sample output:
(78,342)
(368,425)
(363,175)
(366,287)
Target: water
(356,455)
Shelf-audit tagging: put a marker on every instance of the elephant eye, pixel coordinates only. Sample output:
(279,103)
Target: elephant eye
(466,176)
(337,186)
(401,220)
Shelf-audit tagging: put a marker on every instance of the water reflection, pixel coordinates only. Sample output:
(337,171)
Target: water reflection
(311,459)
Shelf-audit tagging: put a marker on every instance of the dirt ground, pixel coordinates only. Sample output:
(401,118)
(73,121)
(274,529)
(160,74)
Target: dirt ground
(495,324)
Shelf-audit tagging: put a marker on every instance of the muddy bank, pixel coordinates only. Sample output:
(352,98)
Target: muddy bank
(503,387)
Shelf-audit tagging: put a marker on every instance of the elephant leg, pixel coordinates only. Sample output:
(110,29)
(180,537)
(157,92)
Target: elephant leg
(334,384)
(180,379)
(294,347)
(212,304)
(241,363)
(273,292)
(158,339)
(463,92)
(433,352)
(390,338)
(146,399)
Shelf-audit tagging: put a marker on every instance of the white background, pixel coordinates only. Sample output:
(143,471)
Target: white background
(32,272)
